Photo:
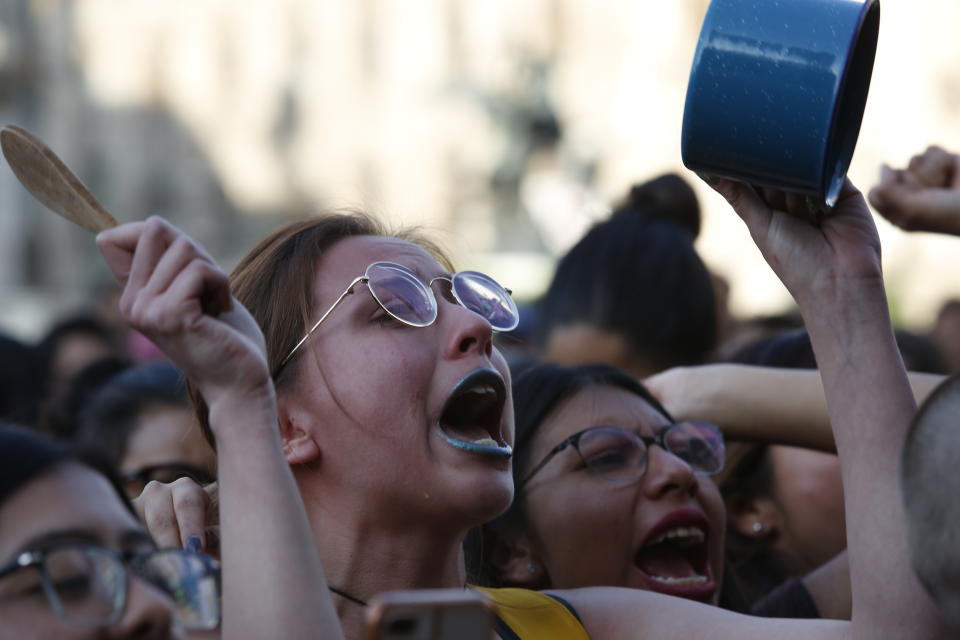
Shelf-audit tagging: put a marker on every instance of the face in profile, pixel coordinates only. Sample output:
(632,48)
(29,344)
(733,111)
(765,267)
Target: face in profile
(421,415)
(70,514)
(661,531)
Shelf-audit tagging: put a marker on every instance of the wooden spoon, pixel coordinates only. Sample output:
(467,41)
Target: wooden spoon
(50,181)
(54,185)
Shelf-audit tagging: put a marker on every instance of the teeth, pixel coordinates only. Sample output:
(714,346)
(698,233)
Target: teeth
(680,582)
(485,446)
(490,442)
(482,389)
(694,535)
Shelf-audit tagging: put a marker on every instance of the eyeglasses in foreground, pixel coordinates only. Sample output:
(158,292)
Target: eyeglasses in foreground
(87,585)
(407,299)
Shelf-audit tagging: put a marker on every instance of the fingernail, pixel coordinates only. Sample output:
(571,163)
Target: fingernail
(194,544)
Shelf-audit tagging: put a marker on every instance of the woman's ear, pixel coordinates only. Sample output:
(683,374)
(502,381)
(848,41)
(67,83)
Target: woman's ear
(299,446)
(517,563)
(756,517)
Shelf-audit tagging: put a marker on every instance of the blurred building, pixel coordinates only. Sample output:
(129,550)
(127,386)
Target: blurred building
(504,126)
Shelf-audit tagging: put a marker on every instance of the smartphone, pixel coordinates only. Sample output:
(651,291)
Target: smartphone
(430,614)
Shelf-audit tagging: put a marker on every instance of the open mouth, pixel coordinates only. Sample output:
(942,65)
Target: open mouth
(470,420)
(676,559)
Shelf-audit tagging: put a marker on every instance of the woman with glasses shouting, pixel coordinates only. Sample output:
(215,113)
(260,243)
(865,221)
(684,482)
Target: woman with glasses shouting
(393,413)
(610,490)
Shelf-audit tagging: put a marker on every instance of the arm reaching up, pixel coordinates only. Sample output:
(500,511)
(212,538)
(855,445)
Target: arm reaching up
(173,292)
(833,272)
(832,269)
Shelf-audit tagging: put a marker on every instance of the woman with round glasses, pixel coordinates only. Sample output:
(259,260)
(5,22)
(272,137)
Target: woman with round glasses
(392,404)
(610,490)
(399,434)
(587,437)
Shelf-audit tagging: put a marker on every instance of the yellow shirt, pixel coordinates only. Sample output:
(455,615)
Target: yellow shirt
(531,615)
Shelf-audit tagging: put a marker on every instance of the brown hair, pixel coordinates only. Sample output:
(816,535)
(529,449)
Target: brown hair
(274,281)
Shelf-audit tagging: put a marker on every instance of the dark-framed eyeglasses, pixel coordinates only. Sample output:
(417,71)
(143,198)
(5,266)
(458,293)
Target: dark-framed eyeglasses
(135,481)
(406,298)
(86,585)
(618,454)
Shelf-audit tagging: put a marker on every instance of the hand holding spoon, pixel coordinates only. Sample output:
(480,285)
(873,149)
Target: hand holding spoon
(49,180)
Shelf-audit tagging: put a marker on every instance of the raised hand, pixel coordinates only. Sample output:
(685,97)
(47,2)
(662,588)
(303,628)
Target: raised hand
(175,294)
(831,264)
(925,196)
(811,251)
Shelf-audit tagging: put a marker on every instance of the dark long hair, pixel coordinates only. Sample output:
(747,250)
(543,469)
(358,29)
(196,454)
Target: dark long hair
(638,276)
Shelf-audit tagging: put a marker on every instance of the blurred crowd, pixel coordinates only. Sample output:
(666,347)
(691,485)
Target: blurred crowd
(93,382)
(632,349)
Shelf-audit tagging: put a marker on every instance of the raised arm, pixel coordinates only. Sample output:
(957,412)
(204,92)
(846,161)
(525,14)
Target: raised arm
(273,582)
(833,271)
(761,404)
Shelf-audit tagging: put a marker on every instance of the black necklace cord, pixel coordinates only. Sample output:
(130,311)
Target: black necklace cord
(344,594)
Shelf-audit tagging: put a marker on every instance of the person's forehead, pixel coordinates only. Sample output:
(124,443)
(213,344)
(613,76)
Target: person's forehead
(68,496)
(163,433)
(594,406)
(349,257)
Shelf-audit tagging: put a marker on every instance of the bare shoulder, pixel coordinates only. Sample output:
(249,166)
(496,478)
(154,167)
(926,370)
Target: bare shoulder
(612,613)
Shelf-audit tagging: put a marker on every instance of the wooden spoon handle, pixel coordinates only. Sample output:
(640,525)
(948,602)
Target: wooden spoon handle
(49,180)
